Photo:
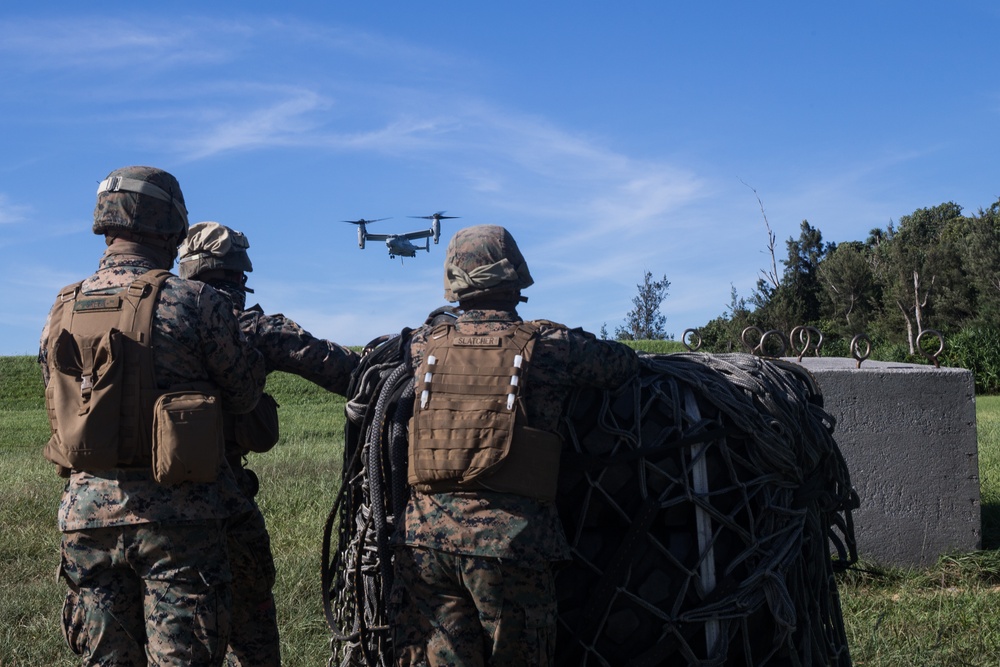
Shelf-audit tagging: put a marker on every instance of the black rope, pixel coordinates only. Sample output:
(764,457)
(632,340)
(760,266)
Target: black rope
(777,501)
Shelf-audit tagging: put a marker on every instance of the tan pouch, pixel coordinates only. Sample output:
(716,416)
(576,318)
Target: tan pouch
(188,444)
(84,399)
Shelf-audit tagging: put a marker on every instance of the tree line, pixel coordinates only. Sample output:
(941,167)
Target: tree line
(935,269)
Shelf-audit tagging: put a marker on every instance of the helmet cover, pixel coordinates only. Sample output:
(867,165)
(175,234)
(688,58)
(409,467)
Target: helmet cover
(210,245)
(142,200)
(483,260)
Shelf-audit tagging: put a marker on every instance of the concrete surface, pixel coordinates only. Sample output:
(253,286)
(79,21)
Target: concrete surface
(908,433)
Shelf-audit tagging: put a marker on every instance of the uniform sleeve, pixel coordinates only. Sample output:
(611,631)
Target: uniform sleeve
(589,361)
(43,349)
(231,361)
(288,347)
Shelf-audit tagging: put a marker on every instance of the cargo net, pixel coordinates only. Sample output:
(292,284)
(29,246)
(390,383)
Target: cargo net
(707,506)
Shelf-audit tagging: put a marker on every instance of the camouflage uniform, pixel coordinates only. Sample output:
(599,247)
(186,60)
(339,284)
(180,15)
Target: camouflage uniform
(146,563)
(286,347)
(474,584)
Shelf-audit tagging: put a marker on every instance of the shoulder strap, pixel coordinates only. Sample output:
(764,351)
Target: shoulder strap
(64,310)
(136,323)
(137,315)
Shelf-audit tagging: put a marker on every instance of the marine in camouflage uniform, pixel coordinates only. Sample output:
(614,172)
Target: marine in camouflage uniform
(146,563)
(217,255)
(474,581)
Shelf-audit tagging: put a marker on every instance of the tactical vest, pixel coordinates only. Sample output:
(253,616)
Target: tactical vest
(469,429)
(101,390)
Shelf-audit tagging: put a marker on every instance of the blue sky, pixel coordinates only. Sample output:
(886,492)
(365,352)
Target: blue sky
(610,138)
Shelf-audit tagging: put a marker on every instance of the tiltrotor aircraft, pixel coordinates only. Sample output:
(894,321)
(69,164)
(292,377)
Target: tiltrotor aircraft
(400,245)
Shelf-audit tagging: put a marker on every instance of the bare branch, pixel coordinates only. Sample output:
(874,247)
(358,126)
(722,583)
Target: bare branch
(772,276)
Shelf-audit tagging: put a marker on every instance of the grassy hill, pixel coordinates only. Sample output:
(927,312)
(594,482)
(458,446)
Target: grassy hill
(944,615)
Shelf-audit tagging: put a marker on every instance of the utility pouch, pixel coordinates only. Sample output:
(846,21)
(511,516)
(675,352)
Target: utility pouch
(187,437)
(257,430)
(84,397)
(532,466)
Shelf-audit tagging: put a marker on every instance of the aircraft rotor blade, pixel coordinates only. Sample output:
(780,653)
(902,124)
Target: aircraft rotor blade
(362,221)
(439,216)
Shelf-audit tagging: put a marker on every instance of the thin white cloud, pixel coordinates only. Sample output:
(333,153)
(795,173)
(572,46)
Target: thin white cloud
(154,42)
(281,124)
(110,44)
(11,213)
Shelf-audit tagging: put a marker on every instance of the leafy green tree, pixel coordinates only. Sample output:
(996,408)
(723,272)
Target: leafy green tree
(982,260)
(848,286)
(801,272)
(914,259)
(645,321)
(723,334)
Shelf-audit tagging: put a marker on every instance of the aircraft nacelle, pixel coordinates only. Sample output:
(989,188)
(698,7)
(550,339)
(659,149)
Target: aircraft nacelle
(362,234)
(435,230)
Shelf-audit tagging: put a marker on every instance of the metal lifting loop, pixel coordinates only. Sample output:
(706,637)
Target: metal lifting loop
(751,347)
(782,341)
(810,338)
(695,345)
(932,356)
(856,351)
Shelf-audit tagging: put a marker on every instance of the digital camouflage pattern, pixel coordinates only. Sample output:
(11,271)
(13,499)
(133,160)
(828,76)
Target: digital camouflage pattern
(510,530)
(288,347)
(180,565)
(195,338)
(130,211)
(285,346)
(483,260)
(443,591)
(253,639)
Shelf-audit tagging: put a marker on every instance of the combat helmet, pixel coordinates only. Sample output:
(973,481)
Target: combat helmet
(211,245)
(484,261)
(141,200)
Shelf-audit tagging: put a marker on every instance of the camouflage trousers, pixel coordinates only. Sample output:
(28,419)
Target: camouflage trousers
(469,611)
(147,594)
(253,638)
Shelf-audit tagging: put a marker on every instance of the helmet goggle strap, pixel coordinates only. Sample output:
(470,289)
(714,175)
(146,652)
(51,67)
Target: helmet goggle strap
(121,184)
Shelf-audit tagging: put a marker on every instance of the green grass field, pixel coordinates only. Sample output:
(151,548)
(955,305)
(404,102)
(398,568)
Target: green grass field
(945,615)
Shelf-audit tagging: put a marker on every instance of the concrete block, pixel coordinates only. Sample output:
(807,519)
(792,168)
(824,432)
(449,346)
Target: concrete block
(908,433)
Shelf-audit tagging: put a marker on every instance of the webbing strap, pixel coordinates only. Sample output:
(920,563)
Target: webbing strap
(141,297)
(468,403)
(468,389)
(118,183)
(136,321)
(493,371)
